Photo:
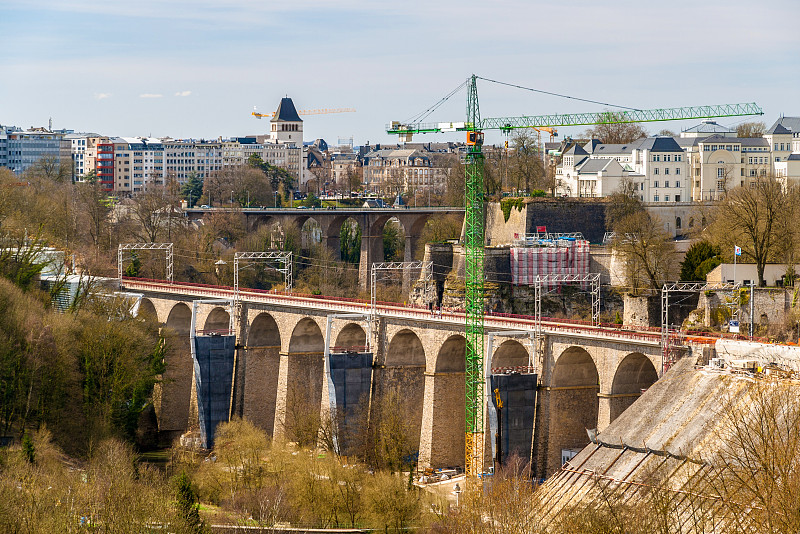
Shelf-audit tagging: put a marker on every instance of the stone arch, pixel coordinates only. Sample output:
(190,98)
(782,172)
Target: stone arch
(174,393)
(634,373)
(352,335)
(263,332)
(261,362)
(451,357)
(334,232)
(147,310)
(510,353)
(574,404)
(273,226)
(447,392)
(306,337)
(401,382)
(399,253)
(575,368)
(297,413)
(218,320)
(180,319)
(678,223)
(405,348)
(311,231)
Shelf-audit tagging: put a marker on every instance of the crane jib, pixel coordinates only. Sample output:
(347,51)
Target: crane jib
(581,119)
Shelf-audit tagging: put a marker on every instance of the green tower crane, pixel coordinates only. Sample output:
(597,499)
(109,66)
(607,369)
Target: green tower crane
(474,224)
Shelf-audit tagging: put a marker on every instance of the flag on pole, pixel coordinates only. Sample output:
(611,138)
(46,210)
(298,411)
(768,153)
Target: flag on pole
(541,229)
(737,250)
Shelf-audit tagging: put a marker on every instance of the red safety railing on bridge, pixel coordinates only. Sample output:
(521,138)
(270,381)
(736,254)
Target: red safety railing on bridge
(493,319)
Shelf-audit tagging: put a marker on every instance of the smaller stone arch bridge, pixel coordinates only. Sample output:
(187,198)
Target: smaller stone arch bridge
(370,220)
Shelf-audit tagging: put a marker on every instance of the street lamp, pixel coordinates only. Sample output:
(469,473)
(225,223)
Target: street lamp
(231,198)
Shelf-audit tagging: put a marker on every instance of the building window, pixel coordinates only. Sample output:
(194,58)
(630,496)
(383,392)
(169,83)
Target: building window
(752,172)
(666,198)
(678,157)
(666,170)
(720,173)
(656,157)
(667,157)
(655,184)
(655,171)
(666,183)
(720,185)
(678,199)
(678,183)
(677,219)
(742,171)
(677,170)
(655,198)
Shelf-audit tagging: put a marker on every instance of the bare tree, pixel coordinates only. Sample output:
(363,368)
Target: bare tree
(614,132)
(150,210)
(647,248)
(759,219)
(52,168)
(526,163)
(751,129)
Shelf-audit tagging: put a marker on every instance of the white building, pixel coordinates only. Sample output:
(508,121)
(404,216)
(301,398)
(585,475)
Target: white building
(656,166)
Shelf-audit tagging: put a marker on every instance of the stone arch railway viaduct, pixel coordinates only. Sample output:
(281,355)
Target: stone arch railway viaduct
(586,375)
(371,221)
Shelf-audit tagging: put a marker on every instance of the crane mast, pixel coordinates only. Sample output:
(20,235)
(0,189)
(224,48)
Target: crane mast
(474,238)
(474,249)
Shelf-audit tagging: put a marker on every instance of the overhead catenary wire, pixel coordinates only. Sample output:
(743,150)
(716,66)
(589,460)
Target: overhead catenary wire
(557,94)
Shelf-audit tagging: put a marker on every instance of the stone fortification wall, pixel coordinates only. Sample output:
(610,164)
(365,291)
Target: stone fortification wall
(772,306)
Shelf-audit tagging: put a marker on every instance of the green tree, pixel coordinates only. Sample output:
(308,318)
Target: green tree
(696,256)
(192,189)
(350,241)
(28,449)
(393,241)
(188,503)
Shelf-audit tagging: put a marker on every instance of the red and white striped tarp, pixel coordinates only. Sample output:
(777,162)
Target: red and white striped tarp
(563,257)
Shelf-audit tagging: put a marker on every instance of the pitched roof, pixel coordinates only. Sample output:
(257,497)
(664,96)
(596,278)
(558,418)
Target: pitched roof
(660,144)
(593,166)
(754,141)
(576,150)
(794,157)
(286,112)
(785,125)
(710,127)
(591,145)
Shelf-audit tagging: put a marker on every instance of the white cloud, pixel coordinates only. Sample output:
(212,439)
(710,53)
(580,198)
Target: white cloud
(150,95)
(183,93)
(102,96)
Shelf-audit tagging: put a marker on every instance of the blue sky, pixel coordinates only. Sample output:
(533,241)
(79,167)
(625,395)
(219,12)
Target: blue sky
(196,68)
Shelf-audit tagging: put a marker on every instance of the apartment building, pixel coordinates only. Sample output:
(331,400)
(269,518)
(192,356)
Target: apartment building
(138,164)
(21,149)
(389,171)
